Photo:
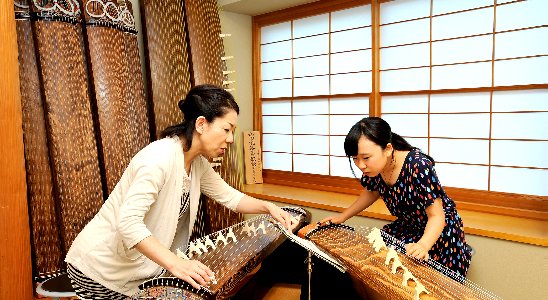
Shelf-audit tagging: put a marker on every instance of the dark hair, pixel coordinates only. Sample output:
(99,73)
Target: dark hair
(205,100)
(379,132)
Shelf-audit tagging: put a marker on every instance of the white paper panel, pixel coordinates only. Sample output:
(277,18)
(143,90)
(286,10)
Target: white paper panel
(408,125)
(519,181)
(405,56)
(311,46)
(532,126)
(459,125)
(336,145)
(521,100)
(460,102)
(277,143)
(311,107)
(351,18)
(275,33)
(355,61)
(316,65)
(276,70)
(312,164)
(341,167)
(421,143)
(405,80)
(449,6)
(402,10)
(521,71)
(463,176)
(277,124)
(282,107)
(277,161)
(351,40)
(315,124)
(405,33)
(469,49)
(276,51)
(276,88)
(311,86)
(522,15)
(340,125)
(405,104)
(351,83)
(463,24)
(462,76)
(521,43)
(520,153)
(358,105)
(460,150)
(311,26)
(311,144)
(503,1)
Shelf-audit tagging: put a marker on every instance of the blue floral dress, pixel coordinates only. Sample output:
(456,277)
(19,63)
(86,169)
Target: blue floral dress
(415,189)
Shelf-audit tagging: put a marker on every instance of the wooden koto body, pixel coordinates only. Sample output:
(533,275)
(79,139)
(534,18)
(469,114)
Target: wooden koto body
(390,273)
(231,254)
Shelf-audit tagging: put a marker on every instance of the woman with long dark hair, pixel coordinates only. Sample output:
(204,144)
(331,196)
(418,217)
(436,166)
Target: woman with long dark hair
(404,177)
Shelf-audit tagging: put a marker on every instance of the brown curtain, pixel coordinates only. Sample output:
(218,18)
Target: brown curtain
(116,85)
(166,53)
(85,114)
(70,129)
(45,232)
(207,54)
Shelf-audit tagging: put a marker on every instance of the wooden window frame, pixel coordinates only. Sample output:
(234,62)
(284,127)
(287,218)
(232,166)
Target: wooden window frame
(509,204)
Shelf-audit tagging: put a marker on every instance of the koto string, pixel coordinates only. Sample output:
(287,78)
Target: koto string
(225,259)
(249,248)
(242,259)
(400,247)
(247,244)
(341,240)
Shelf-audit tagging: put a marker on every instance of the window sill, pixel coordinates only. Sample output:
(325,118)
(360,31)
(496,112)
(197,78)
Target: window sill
(478,223)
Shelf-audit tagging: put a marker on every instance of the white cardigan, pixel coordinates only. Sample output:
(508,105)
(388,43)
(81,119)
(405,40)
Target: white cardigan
(146,201)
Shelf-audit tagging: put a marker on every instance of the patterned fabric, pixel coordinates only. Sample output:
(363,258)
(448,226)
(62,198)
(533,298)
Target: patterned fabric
(415,189)
(185,201)
(87,289)
(185,196)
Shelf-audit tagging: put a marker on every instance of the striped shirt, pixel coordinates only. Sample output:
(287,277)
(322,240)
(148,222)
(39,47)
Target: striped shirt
(87,289)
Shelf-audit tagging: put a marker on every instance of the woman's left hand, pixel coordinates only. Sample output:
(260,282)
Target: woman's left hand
(282,216)
(417,251)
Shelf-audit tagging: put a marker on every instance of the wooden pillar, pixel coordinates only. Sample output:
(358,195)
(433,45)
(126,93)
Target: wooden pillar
(375,97)
(15,253)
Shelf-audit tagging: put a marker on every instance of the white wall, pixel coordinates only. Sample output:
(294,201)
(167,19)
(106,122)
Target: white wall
(240,27)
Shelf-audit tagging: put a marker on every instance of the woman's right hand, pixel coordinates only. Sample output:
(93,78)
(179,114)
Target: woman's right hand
(338,219)
(192,271)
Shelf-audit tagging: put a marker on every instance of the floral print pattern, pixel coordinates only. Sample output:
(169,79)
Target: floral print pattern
(415,189)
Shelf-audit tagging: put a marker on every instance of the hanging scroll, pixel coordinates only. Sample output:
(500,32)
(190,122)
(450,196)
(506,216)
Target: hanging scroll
(46,239)
(116,86)
(73,150)
(252,157)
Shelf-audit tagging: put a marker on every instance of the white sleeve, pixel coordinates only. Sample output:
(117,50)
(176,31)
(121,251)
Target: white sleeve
(213,186)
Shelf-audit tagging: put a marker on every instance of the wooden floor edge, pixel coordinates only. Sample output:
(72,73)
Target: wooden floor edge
(507,236)
(468,230)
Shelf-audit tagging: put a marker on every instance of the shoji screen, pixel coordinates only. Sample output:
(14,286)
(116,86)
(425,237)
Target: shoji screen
(458,79)
(315,80)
